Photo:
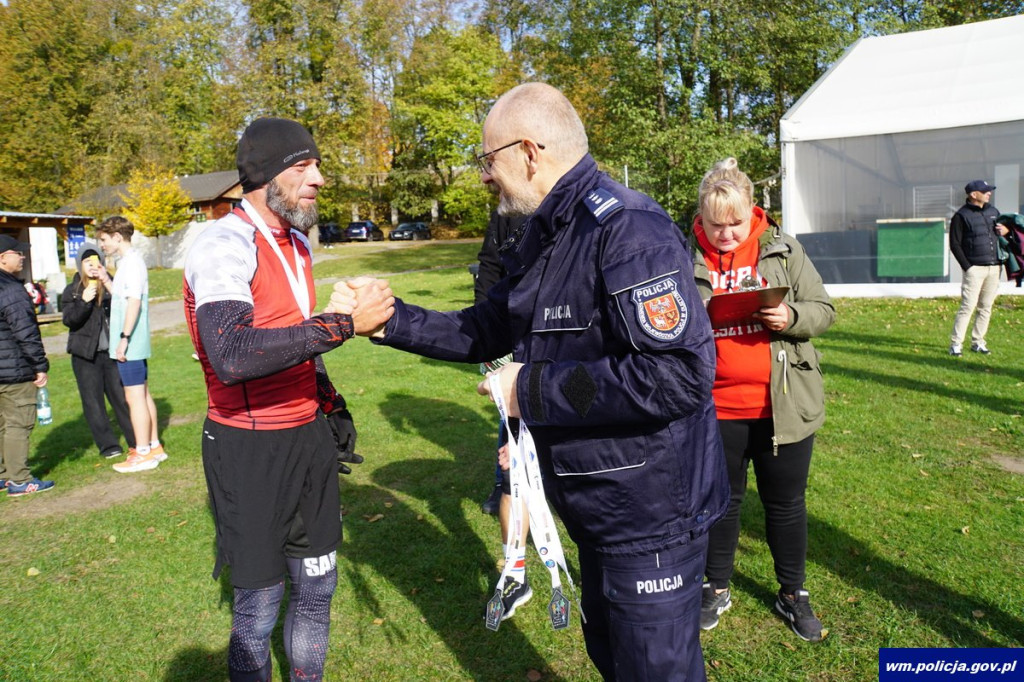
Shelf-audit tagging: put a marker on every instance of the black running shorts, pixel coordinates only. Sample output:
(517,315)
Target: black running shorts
(266,487)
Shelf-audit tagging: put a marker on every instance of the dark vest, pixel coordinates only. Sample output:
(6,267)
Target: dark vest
(979,238)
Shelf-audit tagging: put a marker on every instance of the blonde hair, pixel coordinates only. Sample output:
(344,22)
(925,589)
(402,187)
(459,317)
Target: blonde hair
(725,191)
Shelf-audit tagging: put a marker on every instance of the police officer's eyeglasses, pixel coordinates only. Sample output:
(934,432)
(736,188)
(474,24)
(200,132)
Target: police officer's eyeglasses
(485,160)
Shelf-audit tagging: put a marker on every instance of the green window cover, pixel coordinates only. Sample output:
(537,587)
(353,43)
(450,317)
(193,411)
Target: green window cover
(912,248)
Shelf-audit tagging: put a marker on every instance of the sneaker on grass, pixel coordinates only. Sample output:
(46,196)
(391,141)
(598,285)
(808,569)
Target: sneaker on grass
(980,348)
(712,606)
(137,462)
(797,610)
(158,453)
(956,350)
(514,594)
(33,485)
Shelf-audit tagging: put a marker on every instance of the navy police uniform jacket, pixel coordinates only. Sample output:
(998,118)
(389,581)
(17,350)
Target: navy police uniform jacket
(600,304)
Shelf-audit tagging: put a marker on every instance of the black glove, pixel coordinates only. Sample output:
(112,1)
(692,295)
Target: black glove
(344,431)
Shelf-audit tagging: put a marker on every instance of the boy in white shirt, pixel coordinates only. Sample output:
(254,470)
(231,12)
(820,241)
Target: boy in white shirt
(129,339)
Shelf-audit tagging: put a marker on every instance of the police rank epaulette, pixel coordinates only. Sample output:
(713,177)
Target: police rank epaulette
(602,203)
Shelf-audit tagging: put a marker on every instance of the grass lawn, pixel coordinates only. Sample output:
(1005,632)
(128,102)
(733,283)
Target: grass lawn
(915,523)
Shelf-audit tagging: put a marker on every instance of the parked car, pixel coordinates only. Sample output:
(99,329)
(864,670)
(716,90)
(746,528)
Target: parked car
(331,234)
(364,231)
(410,231)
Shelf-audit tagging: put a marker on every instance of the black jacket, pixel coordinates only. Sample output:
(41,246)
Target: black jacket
(491,269)
(21,348)
(972,235)
(86,322)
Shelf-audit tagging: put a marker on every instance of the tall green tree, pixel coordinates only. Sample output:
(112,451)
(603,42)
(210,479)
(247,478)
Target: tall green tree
(196,93)
(46,56)
(305,61)
(441,96)
(104,85)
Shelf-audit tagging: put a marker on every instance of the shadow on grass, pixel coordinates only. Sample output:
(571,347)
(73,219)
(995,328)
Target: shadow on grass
(898,349)
(440,570)
(940,608)
(999,404)
(197,664)
(71,440)
(944,610)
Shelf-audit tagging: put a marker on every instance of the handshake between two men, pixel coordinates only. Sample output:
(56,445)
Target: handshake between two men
(368,300)
(371,304)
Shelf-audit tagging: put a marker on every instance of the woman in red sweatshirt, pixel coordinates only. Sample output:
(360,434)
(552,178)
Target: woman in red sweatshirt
(768,391)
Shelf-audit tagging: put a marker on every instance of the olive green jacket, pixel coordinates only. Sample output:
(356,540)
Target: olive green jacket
(797,387)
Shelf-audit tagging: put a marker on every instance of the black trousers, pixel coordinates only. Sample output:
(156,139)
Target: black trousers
(98,378)
(781,483)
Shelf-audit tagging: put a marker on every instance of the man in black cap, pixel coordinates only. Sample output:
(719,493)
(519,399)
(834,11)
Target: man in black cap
(270,455)
(23,367)
(973,239)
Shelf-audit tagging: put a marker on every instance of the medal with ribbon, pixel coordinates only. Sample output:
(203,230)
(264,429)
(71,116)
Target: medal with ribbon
(528,491)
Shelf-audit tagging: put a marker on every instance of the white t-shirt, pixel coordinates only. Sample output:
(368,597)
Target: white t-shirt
(131,280)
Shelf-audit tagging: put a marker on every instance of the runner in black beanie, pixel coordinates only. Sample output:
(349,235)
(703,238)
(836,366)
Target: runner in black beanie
(268,146)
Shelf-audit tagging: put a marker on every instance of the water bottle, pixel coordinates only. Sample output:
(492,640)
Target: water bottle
(44,415)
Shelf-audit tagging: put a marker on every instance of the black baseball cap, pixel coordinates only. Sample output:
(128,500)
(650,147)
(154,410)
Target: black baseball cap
(268,146)
(9,243)
(978,186)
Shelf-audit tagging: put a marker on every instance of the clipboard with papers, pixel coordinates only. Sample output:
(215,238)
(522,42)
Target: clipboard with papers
(738,307)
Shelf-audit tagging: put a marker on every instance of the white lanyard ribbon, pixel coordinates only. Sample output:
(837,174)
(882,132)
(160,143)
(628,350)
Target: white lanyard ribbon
(528,490)
(299,289)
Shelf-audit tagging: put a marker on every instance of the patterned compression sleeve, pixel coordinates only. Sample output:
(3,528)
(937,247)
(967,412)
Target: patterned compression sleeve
(328,397)
(238,351)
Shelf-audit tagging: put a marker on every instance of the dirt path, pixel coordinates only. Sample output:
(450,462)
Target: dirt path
(162,315)
(60,502)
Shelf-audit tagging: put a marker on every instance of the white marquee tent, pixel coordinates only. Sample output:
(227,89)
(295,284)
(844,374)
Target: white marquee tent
(876,154)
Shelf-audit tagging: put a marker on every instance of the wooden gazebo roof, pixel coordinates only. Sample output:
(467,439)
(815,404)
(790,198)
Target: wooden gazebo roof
(11,221)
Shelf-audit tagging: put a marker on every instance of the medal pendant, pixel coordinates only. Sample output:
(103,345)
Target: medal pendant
(495,610)
(558,609)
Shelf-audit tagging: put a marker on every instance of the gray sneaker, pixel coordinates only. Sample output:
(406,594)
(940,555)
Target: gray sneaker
(712,606)
(800,615)
(33,485)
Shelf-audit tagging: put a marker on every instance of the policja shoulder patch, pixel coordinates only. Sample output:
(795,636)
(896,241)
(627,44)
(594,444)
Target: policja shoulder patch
(660,309)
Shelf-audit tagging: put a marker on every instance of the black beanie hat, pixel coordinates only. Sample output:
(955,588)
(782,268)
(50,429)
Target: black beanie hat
(268,146)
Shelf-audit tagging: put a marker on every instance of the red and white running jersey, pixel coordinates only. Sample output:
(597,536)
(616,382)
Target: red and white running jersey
(231,261)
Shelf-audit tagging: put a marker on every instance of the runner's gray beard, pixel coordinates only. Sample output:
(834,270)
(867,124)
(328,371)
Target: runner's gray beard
(302,219)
